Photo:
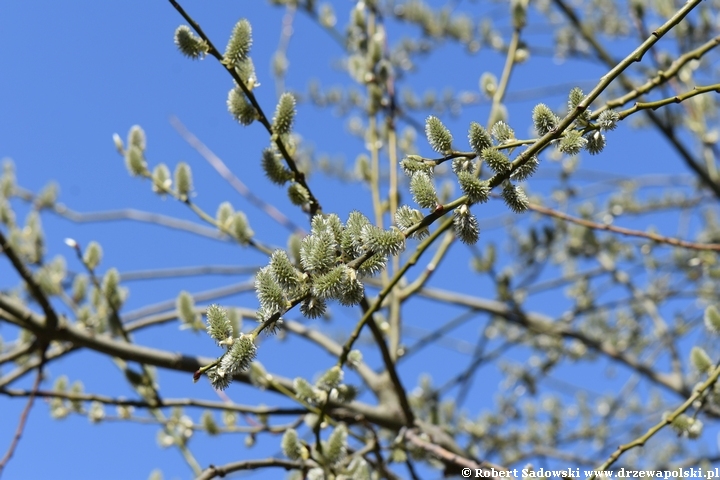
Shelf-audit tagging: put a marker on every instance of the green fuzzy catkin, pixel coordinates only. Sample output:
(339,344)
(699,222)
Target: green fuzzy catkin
(526,170)
(336,447)
(465,225)
(571,143)
(351,241)
(479,138)
(406,217)
(515,198)
(574,99)
(245,69)
(608,120)
(283,271)
(438,136)
(413,164)
(360,469)
(137,138)
(346,393)
(291,446)
(190,44)
(241,228)
(328,223)
(218,378)
(354,358)
(185,306)
(240,355)
(711,319)
(384,242)
(701,360)
(269,293)
(208,423)
(93,255)
(304,391)
(423,190)
(318,253)
(284,114)
(463,164)
(135,161)
(595,142)
(293,247)
(111,289)
(488,84)
(353,290)
(240,108)
(238,46)
(373,265)
(476,190)
(79,288)
(47,197)
(496,160)
(298,194)
(544,119)
(274,169)
(161,179)
(330,379)
(330,284)
(313,307)
(518,9)
(224,216)
(183,180)
(502,132)
(218,324)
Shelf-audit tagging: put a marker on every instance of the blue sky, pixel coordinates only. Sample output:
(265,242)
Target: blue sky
(74,73)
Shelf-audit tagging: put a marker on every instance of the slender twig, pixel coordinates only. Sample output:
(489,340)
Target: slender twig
(447,456)
(261,117)
(543,324)
(220,167)
(639,106)
(661,77)
(221,471)
(625,231)
(23,419)
(505,78)
(185,199)
(640,441)
(17,352)
(165,403)
(176,272)
(125,214)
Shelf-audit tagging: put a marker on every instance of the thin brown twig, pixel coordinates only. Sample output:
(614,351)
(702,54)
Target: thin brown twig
(676,242)
(447,456)
(164,403)
(124,214)
(220,471)
(23,419)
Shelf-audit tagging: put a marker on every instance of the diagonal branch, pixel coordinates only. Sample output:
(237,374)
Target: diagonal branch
(676,242)
(51,318)
(262,118)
